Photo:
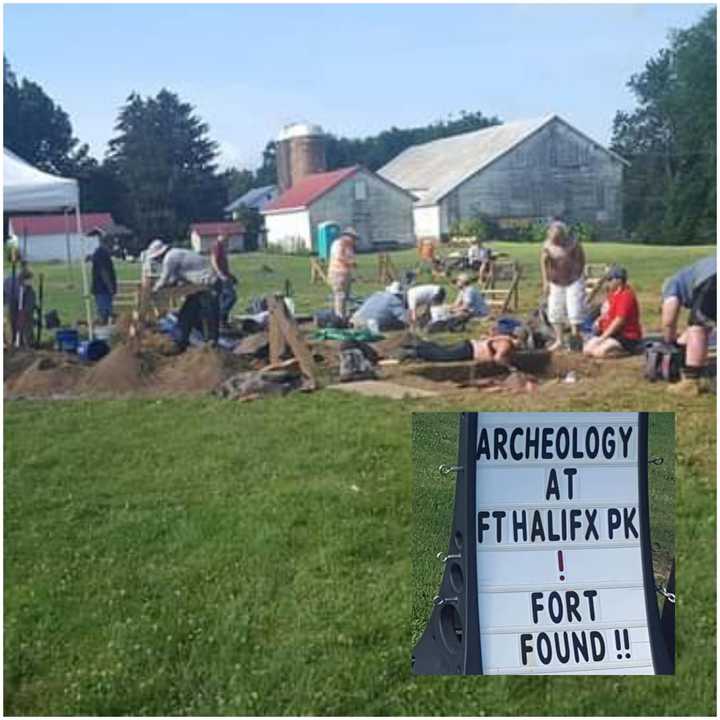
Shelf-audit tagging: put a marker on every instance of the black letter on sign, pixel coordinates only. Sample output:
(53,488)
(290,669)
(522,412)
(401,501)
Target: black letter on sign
(553,487)
(591,595)
(591,516)
(482,525)
(500,440)
(573,603)
(516,454)
(628,518)
(483,445)
(525,646)
(614,521)
(597,643)
(537,606)
(499,515)
(625,438)
(570,474)
(520,525)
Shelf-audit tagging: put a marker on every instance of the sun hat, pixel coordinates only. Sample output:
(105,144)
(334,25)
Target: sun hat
(462,279)
(156,248)
(349,230)
(395,288)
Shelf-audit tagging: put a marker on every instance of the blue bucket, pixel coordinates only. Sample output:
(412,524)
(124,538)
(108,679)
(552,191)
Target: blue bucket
(67,340)
(93,350)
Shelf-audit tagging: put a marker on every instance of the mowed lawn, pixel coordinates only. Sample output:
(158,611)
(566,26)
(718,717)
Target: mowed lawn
(198,556)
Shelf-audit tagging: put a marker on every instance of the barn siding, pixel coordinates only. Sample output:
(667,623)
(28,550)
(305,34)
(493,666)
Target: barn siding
(555,172)
(384,216)
(51,248)
(289,230)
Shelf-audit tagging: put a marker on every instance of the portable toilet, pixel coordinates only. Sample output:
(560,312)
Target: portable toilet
(326,233)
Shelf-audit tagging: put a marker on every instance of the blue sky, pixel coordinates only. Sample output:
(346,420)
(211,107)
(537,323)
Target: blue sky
(354,69)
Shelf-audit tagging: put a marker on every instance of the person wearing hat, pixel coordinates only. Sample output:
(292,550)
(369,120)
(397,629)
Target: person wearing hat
(695,288)
(618,328)
(342,262)
(470,302)
(385,310)
(19,300)
(200,310)
(103,285)
(562,265)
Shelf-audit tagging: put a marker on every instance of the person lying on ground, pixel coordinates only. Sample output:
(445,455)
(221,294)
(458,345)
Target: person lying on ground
(618,328)
(695,288)
(342,263)
(470,302)
(384,309)
(562,265)
(498,349)
(420,298)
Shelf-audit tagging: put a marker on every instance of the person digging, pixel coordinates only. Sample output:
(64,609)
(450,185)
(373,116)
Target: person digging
(200,310)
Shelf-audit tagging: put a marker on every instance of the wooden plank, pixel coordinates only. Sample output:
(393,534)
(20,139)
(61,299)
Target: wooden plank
(290,333)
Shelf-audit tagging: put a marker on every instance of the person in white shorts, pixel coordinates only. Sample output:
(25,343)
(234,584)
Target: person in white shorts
(562,265)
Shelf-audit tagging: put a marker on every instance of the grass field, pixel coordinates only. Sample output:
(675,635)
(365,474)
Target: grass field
(193,556)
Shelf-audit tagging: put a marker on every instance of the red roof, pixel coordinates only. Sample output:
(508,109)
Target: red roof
(218,228)
(55,224)
(308,189)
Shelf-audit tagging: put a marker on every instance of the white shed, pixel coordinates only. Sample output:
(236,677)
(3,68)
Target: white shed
(379,210)
(203,235)
(51,238)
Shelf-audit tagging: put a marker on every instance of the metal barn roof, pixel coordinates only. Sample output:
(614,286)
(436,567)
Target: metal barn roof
(434,169)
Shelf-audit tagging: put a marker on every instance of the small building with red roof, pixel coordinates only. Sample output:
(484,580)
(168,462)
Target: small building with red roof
(203,235)
(50,238)
(380,211)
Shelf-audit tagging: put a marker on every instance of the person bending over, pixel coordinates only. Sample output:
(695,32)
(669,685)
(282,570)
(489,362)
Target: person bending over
(695,288)
(422,297)
(618,327)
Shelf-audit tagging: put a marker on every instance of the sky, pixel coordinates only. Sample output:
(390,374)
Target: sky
(354,69)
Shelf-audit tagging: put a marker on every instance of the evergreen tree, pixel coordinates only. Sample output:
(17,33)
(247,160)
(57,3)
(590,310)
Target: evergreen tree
(165,160)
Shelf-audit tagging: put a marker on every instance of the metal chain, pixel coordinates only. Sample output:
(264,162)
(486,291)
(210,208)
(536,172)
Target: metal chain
(447,469)
(656,461)
(670,597)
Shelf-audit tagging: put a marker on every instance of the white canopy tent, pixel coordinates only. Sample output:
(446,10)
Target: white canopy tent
(27,189)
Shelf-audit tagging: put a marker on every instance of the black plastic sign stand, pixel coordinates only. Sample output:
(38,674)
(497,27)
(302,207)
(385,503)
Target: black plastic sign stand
(451,643)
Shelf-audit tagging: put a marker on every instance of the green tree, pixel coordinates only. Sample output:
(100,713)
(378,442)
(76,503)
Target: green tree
(670,140)
(165,160)
(37,129)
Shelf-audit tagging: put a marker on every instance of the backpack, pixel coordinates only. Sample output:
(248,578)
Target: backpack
(662,362)
(355,366)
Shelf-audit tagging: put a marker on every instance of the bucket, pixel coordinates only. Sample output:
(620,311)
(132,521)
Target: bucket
(66,340)
(93,350)
(103,332)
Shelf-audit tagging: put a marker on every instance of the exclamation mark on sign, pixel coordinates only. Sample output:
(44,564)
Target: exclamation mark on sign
(561,564)
(626,643)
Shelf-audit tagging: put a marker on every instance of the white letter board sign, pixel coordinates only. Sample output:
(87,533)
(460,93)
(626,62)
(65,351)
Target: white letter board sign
(549,569)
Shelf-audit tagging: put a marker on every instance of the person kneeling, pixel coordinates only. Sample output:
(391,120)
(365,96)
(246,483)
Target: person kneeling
(619,325)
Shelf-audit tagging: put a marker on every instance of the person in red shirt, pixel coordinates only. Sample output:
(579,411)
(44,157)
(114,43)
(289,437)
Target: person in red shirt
(227,281)
(618,327)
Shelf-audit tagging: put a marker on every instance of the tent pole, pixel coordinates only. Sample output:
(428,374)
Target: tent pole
(83,270)
(67,248)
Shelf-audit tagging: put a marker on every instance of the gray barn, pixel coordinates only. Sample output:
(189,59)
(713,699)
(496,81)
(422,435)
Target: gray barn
(513,173)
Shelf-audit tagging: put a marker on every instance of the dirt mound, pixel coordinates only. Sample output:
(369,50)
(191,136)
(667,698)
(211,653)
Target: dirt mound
(47,378)
(122,371)
(195,371)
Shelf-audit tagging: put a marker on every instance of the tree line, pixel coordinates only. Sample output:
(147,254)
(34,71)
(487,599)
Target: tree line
(160,170)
